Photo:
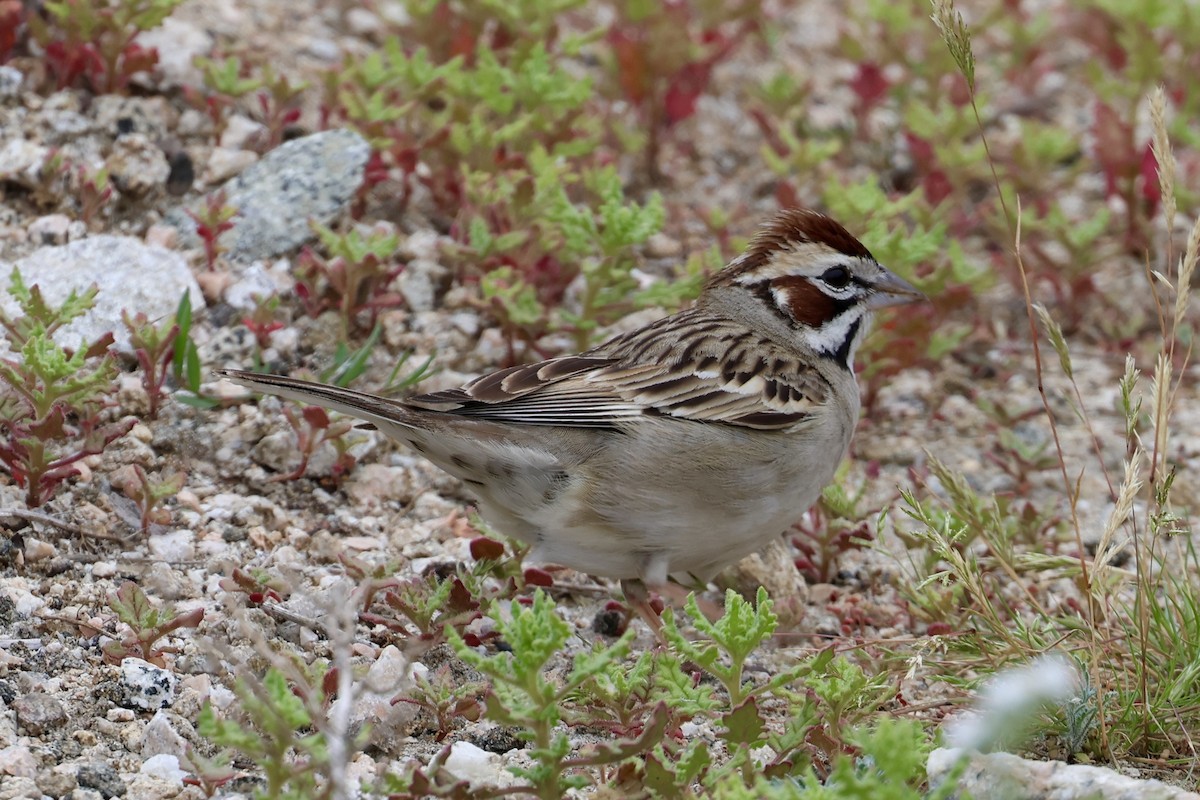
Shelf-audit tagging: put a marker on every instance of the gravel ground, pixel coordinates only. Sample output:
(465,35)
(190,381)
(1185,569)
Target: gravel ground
(73,725)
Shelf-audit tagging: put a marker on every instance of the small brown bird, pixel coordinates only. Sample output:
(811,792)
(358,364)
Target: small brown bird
(675,449)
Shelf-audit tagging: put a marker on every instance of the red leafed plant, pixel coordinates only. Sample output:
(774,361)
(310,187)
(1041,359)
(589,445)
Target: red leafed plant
(663,56)
(92,41)
(211,221)
(147,624)
(12,18)
(313,427)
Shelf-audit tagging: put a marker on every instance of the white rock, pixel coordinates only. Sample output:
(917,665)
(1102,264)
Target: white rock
(178,43)
(173,547)
(21,161)
(476,765)
(241,132)
(224,163)
(150,787)
(145,686)
(420,282)
(390,673)
(659,245)
(466,321)
(129,275)
(37,550)
(164,767)
(375,484)
(25,602)
(255,282)
(323,49)
(422,244)
(362,22)
(58,781)
(1002,775)
(18,761)
(55,229)
(10,81)
(21,787)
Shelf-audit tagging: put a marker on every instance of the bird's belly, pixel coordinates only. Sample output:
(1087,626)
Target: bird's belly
(626,517)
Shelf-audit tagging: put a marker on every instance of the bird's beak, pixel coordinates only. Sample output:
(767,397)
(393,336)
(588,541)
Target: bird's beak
(892,290)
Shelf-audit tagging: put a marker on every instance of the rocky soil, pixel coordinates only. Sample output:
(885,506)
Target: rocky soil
(73,725)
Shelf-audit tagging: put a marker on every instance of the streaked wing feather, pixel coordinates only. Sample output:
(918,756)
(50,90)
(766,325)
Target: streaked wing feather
(672,375)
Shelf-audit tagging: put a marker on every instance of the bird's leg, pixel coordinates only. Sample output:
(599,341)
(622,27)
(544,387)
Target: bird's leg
(638,596)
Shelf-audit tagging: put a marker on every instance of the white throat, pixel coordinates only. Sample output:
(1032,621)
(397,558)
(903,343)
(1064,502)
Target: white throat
(841,335)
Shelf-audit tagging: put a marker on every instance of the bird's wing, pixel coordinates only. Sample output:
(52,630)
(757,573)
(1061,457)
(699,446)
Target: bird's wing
(713,374)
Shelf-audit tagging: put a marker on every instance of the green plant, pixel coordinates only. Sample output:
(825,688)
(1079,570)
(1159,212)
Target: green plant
(53,399)
(226,81)
(457,117)
(256,584)
(186,367)
(354,279)
(280,727)
(208,774)
(522,695)
(263,320)
(146,623)
(348,365)
(446,698)
(229,80)
(731,639)
(545,241)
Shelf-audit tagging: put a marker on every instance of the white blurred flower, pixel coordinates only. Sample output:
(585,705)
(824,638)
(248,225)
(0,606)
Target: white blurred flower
(1007,703)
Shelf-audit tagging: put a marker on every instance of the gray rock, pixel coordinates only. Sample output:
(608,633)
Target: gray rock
(137,166)
(10,81)
(101,777)
(129,274)
(55,229)
(160,738)
(1003,776)
(422,282)
(21,162)
(39,713)
(59,781)
(121,116)
(309,179)
(18,787)
(145,686)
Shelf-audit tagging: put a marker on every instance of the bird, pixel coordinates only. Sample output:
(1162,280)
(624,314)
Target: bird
(672,451)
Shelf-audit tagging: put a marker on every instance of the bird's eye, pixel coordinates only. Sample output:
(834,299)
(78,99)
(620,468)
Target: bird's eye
(837,277)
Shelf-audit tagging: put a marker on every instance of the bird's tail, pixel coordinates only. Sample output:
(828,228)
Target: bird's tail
(383,411)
